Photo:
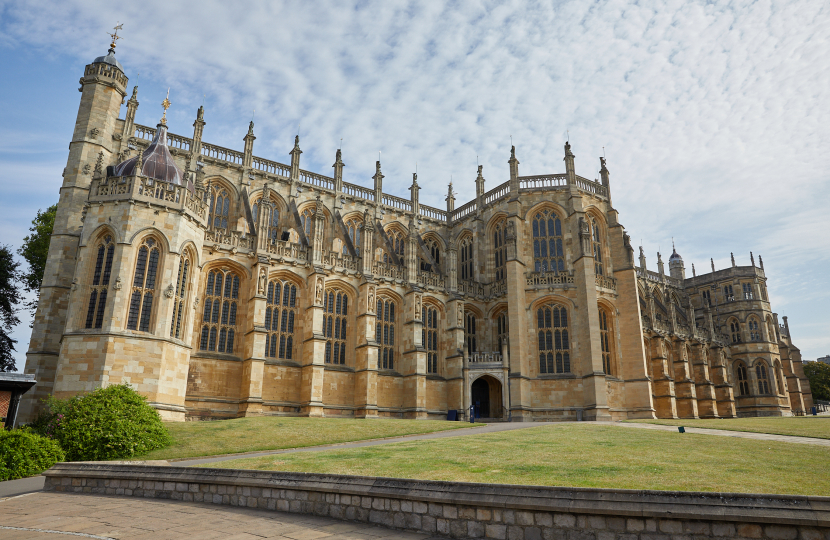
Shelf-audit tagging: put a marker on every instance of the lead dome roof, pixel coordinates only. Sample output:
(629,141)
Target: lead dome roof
(156,162)
(109,59)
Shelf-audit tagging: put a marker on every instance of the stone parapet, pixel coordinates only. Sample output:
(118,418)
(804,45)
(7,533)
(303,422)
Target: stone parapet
(466,510)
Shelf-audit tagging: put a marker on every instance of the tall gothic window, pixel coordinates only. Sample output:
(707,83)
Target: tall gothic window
(335,308)
(429,337)
(763,377)
(501,329)
(180,298)
(219,315)
(605,340)
(597,245)
(743,380)
(735,331)
(220,204)
(354,227)
(470,332)
(499,250)
(385,333)
(398,241)
(307,218)
(273,223)
(754,330)
(747,289)
(100,283)
(144,286)
(280,315)
(554,345)
(434,249)
(466,254)
(728,293)
(547,242)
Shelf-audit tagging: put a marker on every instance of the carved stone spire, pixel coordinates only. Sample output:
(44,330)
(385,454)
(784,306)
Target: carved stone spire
(295,159)
(569,163)
(642,258)
(338,171)
(378,178)
(450,199)
(659,263)
(733,259)
(414,190)
(761,262)
(514,170)
(752,258)
(713,264)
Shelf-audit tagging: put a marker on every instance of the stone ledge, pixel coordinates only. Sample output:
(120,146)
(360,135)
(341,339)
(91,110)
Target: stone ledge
(712,507)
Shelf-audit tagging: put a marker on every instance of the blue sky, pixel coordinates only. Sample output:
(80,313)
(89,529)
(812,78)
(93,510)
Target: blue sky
(713,116)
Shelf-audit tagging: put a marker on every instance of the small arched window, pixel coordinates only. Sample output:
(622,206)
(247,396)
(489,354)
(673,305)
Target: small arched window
(385,332)
(501,329)
(470,332)
(180,298)
(554,342)
(354,227)
(735,330)
(397,240)
(429,337)
(336,309)
(220,204)
(307,218)
(763,377)
(219,315)
(280,315)
(144,285)
(743,379)
(605,338)
(548,254)
(100,283)
(596,242)
(754,330)
(434,249)
(499,250)
(466,254)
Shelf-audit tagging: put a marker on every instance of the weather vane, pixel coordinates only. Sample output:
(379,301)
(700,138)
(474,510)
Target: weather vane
(114,35)
(166,105)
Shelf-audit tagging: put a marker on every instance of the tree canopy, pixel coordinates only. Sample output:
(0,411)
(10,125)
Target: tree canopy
(35,250)
(9,298)
(819,375)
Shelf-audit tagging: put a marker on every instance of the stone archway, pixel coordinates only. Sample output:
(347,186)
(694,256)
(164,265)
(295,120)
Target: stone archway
(486,395)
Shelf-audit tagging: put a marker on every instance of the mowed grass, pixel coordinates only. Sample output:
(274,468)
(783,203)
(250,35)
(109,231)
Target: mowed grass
(582,455)
(193,439)
(799,426)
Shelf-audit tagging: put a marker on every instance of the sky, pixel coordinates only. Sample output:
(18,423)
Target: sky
(713,116)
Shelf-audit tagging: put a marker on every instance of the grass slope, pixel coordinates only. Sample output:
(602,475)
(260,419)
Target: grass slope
(193,439)
(580,455)
(799,426)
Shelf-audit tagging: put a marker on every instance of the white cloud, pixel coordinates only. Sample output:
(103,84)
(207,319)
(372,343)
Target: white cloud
(713,116)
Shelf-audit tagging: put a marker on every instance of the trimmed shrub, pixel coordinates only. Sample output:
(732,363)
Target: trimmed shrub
(109,423)
(23,453)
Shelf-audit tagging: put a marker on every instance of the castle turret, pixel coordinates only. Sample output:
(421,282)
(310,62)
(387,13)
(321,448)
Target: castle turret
(676,268)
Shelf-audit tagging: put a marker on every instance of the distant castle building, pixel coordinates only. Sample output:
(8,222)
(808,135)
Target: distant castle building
(220,284)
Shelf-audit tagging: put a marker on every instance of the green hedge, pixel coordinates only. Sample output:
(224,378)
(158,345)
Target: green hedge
(23,453)
(109,423)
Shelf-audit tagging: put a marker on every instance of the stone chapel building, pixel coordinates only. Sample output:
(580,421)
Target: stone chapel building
(220,284)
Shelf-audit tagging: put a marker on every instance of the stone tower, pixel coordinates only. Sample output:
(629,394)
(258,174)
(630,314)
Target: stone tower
(676,268)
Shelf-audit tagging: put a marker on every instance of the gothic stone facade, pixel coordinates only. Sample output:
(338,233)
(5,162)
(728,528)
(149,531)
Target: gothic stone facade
(250,287)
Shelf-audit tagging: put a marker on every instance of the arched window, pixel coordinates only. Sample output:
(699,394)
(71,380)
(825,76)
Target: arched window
(336,309)
(307,218)
(605,340)
(354,226)
(273,232)
(280,315)
(597,245)
(499,250)
(554,345)
(728,293)
(754,330)
(219,315)
(100,283)
(763,377)
(735,330)
(501,329)
(144,286)
(434,249)
(397,240)
(220,204)
(385,333)
(743,379)
(466,254)
(429,336)
(547,242)
(470,332)
(747,288)
(180,298)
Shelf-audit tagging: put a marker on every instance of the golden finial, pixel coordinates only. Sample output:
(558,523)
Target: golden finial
(114,35)
(166,105)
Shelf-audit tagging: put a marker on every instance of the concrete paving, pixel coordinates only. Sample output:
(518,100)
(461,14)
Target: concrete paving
(52,516)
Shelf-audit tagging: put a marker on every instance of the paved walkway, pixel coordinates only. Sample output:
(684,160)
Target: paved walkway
(725,433)
(56,516)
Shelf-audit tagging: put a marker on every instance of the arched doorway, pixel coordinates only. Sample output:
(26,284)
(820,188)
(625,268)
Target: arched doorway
(485,394)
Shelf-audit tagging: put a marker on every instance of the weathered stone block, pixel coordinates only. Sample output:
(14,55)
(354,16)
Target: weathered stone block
(497,531)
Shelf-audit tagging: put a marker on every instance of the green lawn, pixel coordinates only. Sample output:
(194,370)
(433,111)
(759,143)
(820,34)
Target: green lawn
(192,439)
(799,426)
(582,455)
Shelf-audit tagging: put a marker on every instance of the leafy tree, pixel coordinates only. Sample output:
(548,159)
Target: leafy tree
(819,375)
(9,298)
(35,249)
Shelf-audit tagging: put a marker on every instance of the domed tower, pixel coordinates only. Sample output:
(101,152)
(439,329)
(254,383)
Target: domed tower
(676,268)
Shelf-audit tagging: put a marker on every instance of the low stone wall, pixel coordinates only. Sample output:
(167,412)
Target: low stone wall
(463,510)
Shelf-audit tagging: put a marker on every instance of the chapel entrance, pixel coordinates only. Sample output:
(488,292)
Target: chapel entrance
(485,395)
